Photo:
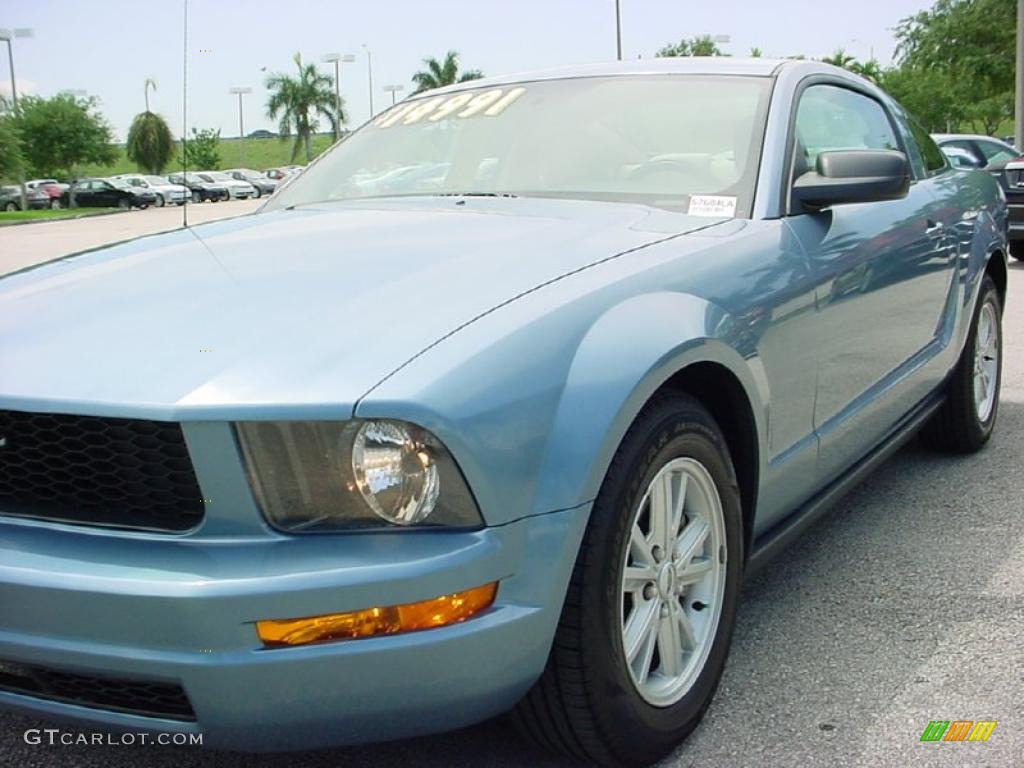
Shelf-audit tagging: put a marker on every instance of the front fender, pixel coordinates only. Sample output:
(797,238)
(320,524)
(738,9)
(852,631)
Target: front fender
(631,351)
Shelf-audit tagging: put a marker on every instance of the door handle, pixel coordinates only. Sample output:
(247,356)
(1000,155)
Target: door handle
(934,228)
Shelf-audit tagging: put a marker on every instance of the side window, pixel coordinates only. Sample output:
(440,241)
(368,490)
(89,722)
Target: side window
(996,153)
(830,117)
(934,160)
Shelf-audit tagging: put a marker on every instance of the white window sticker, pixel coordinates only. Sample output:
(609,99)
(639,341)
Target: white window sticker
(712,205)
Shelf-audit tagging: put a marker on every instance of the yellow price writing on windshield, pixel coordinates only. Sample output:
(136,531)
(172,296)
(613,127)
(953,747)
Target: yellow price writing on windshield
(461,105)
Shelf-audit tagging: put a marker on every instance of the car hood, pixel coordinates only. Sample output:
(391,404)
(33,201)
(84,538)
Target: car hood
(291,313)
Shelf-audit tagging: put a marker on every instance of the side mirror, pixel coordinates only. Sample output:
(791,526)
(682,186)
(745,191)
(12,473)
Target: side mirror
(854,176)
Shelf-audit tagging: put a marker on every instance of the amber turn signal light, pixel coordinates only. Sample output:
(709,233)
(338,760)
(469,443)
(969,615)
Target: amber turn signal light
(371,622)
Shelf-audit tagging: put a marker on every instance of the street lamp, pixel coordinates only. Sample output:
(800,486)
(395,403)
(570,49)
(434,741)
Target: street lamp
(369,72)
(337,58)
(393,89)
(618,30)
(240,92)
(8,35)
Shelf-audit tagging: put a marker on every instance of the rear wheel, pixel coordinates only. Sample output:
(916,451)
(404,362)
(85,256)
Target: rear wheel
(196,197)
(55,203)
(257,194)
(124,204)
(648,617)
(11,206)
(965,421)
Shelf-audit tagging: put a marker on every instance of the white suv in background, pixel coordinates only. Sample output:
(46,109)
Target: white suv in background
(239,190)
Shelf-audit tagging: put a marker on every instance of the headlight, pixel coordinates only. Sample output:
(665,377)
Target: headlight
(344,475)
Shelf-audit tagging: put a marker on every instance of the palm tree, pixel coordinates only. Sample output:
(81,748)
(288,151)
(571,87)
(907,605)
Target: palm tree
(297,102)
(439,74)
(150,144)
(840,59)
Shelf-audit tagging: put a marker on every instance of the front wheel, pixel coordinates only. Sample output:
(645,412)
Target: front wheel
(11,206)
(966,419)
(123,204)
(648,617)
(159,202)
(55,204)
(197,198)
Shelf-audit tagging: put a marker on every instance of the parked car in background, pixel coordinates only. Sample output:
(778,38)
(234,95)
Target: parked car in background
(53,188)
(986,151)
(10,198)
(106,193)
(263,184)
(283,172)
(1012,179)
(166,192)
(960,158)
(200,189)
(238,190)
(511,442)
(262,133)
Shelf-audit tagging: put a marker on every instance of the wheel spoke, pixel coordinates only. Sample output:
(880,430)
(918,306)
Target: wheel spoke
(640,627)
(661,512)
(691,541)
(693,571)
(637,576)
(639,548)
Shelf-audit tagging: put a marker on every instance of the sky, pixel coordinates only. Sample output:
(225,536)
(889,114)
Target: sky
(108,48)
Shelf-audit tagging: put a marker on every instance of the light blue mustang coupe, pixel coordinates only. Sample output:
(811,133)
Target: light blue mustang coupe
(490,409)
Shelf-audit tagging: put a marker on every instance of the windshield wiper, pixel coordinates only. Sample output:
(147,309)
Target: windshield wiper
(474,194)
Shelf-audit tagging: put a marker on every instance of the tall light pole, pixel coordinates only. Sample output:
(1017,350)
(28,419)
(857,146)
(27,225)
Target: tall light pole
(337,58)
(393,89)
(369,73)
(8,35)
(618,30)
(1019,111)
(240,92)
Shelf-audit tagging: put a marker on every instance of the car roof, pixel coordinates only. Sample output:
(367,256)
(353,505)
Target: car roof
(940,137)
(683,65)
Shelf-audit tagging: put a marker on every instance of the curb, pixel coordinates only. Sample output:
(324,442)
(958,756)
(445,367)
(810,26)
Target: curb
(61,218)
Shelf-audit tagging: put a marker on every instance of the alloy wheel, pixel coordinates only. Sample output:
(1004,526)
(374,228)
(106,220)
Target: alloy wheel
(673,581)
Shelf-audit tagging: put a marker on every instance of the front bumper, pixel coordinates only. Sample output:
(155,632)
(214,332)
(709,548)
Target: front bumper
(1015,201)
(181,610)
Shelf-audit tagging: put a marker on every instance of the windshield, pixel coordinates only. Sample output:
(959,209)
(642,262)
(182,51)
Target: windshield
(216,176)
(156,181)
(664,140)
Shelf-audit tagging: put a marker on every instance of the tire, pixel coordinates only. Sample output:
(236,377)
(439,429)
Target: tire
(197,198)
(965,421)
(257,194)
(160,202)
(124,204)
(590,703)
(55,204)
(11,206)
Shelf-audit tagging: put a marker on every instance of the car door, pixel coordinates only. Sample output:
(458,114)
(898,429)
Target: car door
(84,195)
(882,272)
(106,194)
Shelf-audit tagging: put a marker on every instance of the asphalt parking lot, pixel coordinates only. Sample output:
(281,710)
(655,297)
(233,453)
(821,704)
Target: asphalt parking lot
(903,606)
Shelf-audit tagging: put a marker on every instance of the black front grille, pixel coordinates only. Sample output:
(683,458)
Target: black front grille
(137,697)
(123,473)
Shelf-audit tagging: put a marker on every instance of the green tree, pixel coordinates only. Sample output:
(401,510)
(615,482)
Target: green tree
(840,59)
(150,144)
(61,132)
(756,53)
(202,150)
(970,43)
(11,160)
(438,74)
(297,103)
(702,45)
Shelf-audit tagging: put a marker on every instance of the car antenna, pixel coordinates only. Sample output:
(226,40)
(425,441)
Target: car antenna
(184,118)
